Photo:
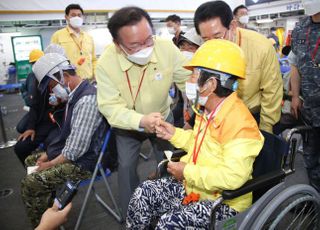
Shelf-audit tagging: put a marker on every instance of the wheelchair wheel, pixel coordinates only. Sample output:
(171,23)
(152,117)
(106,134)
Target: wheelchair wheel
(297,207)
(301,213)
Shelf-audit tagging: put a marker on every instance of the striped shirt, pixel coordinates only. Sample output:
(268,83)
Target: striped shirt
(86,118)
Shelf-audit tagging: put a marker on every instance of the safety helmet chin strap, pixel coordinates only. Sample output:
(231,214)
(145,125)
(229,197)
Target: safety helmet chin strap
(198,109)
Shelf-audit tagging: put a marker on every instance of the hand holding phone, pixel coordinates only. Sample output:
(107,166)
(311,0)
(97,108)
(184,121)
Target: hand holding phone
(65,194)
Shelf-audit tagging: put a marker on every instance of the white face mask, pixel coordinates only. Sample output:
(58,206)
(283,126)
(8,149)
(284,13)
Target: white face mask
(244,19)
(141,57)
(202,100)
(76,22)
(60,92)
(171,30)
(187,54)
(53,100)
(191,91)
(311,7)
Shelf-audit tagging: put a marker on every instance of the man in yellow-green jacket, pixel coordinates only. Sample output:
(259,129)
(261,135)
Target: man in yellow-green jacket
(221,149)
(134,75)
(77,44)
(262,90)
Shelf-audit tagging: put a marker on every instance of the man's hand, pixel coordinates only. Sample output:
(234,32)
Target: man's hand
(295,106)
(176,169)
(26,134)
(52,218)
(44,165)
(148,122)
(42,158)
(165,130)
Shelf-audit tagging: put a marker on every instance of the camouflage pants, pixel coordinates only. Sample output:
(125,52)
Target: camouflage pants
(37,189)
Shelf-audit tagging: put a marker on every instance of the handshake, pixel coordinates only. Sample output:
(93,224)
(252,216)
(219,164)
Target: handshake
(154,123)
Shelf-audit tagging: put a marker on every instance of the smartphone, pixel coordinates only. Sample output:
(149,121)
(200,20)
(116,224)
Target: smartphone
(65,194)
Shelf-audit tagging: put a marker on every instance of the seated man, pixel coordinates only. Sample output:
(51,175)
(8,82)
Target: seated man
(36,127)
(72,155)
(220,149)
(188,45)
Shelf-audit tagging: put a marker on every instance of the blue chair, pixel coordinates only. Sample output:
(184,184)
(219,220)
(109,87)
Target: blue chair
(103,174)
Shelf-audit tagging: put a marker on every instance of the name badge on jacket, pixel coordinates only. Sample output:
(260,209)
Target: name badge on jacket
(158,76)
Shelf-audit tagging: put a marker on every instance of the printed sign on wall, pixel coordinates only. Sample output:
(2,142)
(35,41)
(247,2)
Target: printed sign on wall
(254,2)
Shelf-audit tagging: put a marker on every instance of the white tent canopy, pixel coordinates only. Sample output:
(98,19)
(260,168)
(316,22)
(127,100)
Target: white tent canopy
(48,9)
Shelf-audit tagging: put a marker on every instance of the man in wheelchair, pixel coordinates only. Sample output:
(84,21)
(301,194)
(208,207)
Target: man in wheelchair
(220,149)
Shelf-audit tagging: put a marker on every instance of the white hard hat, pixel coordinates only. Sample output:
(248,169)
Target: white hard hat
(311,7)
(55,48)
(192,36)
(46,66)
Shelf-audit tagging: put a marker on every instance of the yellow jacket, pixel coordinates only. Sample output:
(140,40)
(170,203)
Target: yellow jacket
(77,47)
(114,97)
(227,153)
(262,89)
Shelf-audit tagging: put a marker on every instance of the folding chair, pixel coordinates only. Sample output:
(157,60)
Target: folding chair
(95,177)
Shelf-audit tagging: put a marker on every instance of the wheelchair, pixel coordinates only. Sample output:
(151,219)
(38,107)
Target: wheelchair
(275,204)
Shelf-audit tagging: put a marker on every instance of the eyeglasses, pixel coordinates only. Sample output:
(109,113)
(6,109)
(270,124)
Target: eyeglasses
(139,46)
(218,35)
(221,36)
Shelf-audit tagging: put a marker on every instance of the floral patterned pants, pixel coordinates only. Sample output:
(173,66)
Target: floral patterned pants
(162,199)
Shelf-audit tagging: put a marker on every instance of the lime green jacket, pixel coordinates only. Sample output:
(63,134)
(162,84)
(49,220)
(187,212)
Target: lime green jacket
(115,100)
(262,90)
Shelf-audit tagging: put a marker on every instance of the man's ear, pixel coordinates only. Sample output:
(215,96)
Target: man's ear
(118,48)
(213,85)
(233,25)
(66,74)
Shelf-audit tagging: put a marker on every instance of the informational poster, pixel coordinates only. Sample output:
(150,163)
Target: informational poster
(22,46)
(253,2)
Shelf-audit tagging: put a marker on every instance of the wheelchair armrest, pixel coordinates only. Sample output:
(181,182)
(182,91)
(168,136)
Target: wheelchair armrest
(162,166)
(255,184)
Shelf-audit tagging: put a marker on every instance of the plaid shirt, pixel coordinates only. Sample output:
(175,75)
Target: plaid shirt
(85,120)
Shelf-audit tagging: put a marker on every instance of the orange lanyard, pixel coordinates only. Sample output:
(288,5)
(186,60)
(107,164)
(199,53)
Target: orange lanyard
(139,87)
(195,149)
(239,39)
(79,45)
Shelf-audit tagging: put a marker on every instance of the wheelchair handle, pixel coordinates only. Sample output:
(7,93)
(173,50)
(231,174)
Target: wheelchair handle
(298,129)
